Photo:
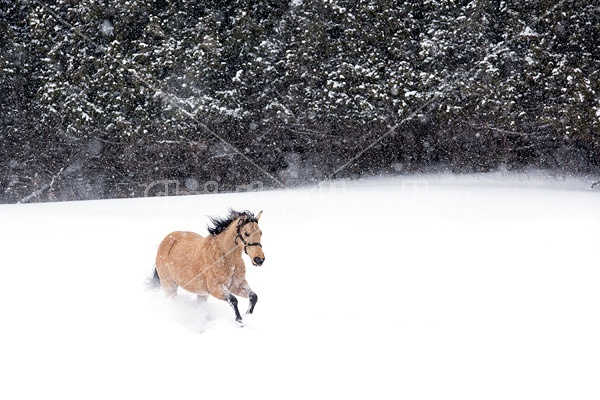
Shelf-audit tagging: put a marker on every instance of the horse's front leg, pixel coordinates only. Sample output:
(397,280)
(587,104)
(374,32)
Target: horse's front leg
(233,302)
(221,292)
(244,290)
(253,299)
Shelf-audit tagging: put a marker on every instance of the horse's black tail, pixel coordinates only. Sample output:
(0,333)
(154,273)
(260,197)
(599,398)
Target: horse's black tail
(153,281)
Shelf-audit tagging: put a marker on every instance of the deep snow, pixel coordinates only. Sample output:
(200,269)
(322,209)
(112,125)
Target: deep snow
(420,287)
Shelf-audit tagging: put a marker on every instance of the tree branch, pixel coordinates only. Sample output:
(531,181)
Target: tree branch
(41,190)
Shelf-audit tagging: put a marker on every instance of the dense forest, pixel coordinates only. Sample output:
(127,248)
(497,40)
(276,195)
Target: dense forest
(103,99)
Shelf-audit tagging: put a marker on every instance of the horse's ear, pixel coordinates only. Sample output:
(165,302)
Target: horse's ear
(258,216)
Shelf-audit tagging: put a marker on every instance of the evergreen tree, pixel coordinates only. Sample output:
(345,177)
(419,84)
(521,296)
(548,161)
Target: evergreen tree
(120,94)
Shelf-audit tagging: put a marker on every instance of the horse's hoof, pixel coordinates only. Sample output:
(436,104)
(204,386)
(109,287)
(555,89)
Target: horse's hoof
(240,323)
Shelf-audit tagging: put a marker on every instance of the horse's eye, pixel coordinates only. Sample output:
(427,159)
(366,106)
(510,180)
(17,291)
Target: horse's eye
(246,234)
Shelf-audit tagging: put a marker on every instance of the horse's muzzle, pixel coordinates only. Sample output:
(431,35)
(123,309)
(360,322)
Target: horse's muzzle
(258,261)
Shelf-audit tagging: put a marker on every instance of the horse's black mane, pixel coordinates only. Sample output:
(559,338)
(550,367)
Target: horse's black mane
(219,224)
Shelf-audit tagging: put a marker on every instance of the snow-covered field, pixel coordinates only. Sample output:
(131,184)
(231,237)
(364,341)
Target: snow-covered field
(421,287)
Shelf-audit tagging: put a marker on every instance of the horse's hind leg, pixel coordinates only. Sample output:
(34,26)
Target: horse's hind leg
(168,284)
(170,288)
(163,262)
(202,297)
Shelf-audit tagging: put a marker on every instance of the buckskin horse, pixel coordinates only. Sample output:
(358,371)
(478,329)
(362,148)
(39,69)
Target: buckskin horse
(212,265)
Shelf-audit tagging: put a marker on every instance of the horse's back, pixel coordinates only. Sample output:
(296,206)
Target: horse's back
(171,244)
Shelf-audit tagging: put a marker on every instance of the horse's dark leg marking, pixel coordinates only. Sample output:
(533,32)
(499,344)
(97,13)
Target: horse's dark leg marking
(233,302)
(253,299)
(244,290)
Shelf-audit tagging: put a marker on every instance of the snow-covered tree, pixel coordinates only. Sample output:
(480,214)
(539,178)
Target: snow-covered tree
(123,93)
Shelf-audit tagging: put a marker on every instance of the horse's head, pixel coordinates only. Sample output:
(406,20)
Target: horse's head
(250,234)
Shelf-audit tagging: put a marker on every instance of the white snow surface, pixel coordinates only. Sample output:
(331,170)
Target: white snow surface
(416,287)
